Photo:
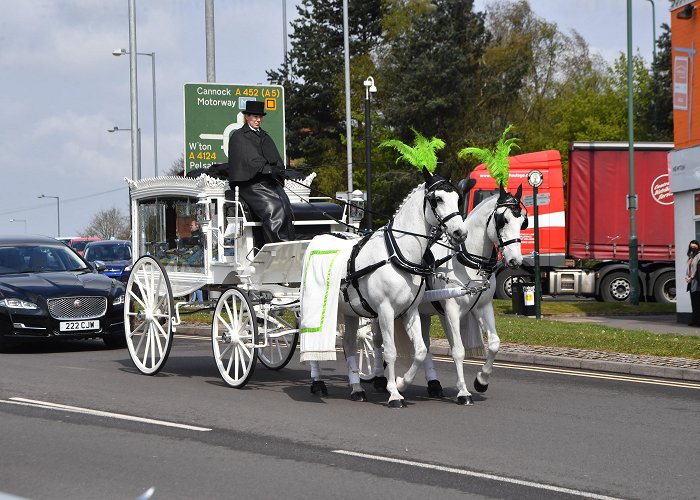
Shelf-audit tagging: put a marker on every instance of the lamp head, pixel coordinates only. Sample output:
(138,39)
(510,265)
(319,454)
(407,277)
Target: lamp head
(41,196)
(370,83)
(113,129)
(119,52)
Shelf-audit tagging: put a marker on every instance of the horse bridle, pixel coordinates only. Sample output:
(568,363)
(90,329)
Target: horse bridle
(429,198)
(500,220)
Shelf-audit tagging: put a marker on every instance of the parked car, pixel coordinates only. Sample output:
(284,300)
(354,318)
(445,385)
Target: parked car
(77,243)
(113,258)
(48,291)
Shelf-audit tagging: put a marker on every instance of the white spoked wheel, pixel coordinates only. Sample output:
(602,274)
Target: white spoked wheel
(233,331)
(365,351)
(282,338)
(148,312)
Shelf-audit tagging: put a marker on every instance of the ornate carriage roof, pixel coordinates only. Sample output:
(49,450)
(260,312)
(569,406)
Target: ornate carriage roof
(203,185)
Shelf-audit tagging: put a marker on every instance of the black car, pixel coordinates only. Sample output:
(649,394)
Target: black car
(48,291)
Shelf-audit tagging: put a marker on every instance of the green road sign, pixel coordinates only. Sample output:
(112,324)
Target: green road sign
(212,113)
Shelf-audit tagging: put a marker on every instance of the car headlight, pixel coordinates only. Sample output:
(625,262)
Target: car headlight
(127,269)
(119,300)
(18,304)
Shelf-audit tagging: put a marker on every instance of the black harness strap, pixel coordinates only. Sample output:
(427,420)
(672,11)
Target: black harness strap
(352,278)
(399,260)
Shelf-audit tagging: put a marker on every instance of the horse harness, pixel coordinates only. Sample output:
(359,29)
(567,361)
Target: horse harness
(423,269)
(485,265)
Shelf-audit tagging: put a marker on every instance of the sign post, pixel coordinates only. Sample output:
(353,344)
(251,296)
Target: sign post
(213,112)
(534,178)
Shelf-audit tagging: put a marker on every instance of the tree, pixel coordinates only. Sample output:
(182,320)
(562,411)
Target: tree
(661,109)
(430,70)
(314,77)
(107,224)
(177,167)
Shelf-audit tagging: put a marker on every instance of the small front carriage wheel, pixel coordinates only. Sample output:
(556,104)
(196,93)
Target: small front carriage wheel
(282,338)
(233,331)
(148,311)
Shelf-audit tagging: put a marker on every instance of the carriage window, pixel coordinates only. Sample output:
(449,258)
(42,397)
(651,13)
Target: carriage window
(481,194)
(166,233)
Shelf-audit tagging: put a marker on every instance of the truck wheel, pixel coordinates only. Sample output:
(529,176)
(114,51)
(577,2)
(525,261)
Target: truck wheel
(504,282)
(665,288)
(615,287)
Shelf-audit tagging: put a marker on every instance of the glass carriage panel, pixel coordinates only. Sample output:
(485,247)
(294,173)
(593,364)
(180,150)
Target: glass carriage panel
(165,230)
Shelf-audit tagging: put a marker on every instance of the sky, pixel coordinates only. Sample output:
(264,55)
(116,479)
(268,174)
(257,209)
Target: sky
(61,88)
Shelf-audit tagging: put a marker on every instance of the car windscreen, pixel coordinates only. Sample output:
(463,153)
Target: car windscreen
(38,259)
(107,253)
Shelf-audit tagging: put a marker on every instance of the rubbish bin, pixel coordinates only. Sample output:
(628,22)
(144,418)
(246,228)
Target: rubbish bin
(523,298)
(529,299)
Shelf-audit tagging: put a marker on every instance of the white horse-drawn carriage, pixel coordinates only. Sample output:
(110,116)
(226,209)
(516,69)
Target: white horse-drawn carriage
(257,287)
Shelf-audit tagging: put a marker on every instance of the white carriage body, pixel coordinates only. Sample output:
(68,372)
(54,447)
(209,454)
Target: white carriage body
(163,207)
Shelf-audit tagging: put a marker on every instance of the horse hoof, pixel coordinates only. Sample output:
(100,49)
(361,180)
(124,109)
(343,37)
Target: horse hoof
(358,396)
(465,400)
(478,386)
(319,386)
(396,403)
(379,384)
(434,389)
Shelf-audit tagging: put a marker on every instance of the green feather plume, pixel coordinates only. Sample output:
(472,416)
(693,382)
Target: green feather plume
(496,160)
(421,154)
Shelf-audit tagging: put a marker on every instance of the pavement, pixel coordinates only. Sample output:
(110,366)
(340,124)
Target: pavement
(629,364)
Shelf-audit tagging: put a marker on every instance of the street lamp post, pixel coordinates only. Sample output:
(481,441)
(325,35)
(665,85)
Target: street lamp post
(653,28)
(138,143)
(58,211)
(152,55)
(369,89)
(21,220)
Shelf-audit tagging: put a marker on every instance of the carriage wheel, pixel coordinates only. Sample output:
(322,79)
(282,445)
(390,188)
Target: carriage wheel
(148,310)
(365,353)
(232,333)
(282,342)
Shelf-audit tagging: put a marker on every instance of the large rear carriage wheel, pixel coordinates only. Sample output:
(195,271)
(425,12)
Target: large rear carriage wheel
(148,311)
(233,330)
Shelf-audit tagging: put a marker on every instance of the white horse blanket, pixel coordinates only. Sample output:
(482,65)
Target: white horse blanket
(325,264)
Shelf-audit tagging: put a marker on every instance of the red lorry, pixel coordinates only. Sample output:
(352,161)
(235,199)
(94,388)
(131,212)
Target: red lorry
(584,248)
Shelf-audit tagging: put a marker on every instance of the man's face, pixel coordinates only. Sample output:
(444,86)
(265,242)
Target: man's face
(253,121)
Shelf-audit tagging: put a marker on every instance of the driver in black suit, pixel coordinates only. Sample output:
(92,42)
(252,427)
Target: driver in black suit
(255,166)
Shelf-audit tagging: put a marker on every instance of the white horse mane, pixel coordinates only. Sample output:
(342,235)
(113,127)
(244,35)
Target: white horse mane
(419,186)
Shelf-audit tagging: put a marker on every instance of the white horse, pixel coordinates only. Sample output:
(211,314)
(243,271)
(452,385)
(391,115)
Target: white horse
(386,275)
(494,223)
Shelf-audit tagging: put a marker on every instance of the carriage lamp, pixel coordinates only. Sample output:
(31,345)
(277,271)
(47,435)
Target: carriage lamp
(356,210)
(204,210)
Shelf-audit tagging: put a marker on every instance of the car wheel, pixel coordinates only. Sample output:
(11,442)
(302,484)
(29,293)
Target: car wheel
(505,280)
(615,287)
(665,288)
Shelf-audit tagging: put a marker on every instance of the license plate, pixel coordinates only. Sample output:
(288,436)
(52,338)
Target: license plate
(77,326)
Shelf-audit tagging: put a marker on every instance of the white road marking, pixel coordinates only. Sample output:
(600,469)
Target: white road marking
(99,413)
(560,371)
(577,373)
(481,475)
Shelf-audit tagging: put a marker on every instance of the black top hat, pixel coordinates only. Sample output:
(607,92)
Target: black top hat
(254,108)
